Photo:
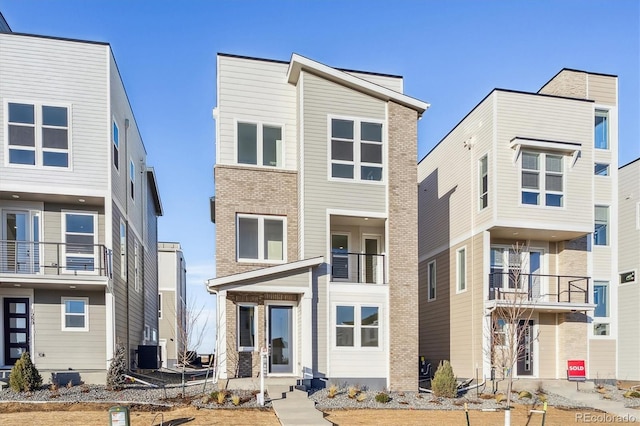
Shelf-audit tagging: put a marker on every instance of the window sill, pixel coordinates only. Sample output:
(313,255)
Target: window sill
(366,182)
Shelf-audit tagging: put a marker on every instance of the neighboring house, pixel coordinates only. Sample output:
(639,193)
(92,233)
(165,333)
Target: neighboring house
(172,301)
(78,209)
(531,168)
(316,214)
(629,266)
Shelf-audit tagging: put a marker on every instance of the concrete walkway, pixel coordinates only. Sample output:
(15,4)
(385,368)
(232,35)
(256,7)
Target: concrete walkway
(588,397)
(293,407)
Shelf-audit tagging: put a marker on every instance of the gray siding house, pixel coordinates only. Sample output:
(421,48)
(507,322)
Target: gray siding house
(78,209)
(315,212)
(172,303)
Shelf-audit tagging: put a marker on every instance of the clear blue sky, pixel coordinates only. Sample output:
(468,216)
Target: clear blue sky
(451,54)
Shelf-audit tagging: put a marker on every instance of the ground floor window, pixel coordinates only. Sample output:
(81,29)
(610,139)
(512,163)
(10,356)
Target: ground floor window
(357,326)
(75,314)
(246,327)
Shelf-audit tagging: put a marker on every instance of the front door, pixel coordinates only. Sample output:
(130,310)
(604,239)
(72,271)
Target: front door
(525,348)
(280,323)
(16,328)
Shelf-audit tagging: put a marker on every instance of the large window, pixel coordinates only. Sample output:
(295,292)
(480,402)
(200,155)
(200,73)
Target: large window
(461,270)
(75,314)
(246,327)
(356,150)
(38,135)
(259,144)
(132,179)
(483,182)
(80,240)
(601,231)
(261,238)
(357,326)
(123,250)
(431,280)
(116,146)
(601,300)
(542,179)
(601,130)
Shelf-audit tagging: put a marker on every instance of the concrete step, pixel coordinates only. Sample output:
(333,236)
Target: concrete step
(3,384)
(293,407)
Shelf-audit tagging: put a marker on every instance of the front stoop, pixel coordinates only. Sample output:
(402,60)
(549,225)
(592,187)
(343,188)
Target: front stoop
(293,407)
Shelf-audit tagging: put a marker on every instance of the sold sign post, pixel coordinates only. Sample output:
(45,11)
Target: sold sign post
(576,371)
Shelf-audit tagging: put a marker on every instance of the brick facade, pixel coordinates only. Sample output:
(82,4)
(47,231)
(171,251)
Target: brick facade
(403,248)
(253,191)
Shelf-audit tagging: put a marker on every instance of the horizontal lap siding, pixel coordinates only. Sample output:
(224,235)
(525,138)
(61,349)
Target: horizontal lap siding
(602,89)
(602,359)
(66,73)
(322,98)
(393,83)
(448,196)
(537,117)
(68,349)
(254,90)
(547,346)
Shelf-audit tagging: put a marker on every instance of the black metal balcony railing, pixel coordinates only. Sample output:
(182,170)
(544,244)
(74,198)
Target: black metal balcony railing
(358,268)
(539,288)
(34,257)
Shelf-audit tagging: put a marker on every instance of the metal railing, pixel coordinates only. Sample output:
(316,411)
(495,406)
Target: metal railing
(358,268)
(44,258)
(539,288)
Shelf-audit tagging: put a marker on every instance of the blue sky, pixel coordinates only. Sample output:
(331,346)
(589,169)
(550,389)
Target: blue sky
(451,54)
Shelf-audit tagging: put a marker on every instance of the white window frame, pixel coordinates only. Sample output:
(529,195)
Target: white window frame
(261,255)
(606,320)
(608,227)
(482,204)
(38,125)
(461,270)
(64,313)
(96,258)
(259,143)
(123,250)
(253,348)
(132,179)
(357,141)
(115,139)
(432,283)
(542,171)
(602,113)
(357,327)
(608,167)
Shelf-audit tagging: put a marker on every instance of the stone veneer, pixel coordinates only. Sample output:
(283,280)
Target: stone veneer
(252,190)
(403,247)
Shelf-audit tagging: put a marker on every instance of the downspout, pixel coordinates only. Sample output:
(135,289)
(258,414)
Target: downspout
(126,241)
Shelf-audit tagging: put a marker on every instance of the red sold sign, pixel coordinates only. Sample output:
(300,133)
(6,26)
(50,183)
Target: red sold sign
(576,370)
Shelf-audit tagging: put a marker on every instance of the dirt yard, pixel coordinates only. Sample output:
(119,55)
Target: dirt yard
(16,414)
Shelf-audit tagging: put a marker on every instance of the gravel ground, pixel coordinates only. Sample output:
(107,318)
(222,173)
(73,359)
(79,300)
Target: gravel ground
(171,395)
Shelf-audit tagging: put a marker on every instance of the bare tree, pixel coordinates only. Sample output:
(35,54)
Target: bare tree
(515,294)
(192,319)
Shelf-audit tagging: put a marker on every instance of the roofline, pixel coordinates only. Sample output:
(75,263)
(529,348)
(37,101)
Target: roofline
(298,63)
(73,40)
(485,98)
(277,61)
(629,163)
(264,272)
(2,18)
(575,70)
(151,176)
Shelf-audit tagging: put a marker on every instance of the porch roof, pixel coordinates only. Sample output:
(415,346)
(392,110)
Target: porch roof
(221,283)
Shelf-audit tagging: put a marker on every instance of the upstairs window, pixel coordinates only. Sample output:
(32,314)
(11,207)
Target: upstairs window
(483,182)
(601,169)
(431,280)
(601,129)
(132,179)
(261,238)
(123,250)
(356,150)
(542,179)
(461,270)
(80,240)
(259,144)
(38,135)
(116,146)
(601,230)
(601,312)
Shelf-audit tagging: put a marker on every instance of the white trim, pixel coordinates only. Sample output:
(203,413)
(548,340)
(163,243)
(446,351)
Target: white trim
(256,333)
(479,186)
(301,169)
(264,272)
(542,191)
(113,143)
(261,238)
(260,124)
(458,287)
(357,327)
(298,63)
(63,310)
(96,254)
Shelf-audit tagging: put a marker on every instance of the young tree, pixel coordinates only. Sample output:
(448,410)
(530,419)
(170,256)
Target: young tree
(511,336)
(190,331)
(117,368)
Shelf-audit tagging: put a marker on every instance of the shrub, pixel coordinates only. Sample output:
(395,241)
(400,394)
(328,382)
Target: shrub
(525,394)
(632,394)
(235,399)
(117,369)
(332,391)
(353,392)
(501,397)
(24,375)
(444,383)
(222,395)
(361,397)
(382,398)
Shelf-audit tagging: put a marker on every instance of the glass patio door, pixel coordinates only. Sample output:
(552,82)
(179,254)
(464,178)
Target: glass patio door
(20,249)
(280,339)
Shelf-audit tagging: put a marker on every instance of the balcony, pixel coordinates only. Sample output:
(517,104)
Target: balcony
(537,288)
(40,258)
(360,268)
